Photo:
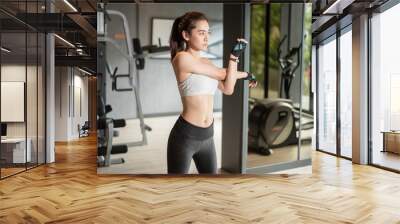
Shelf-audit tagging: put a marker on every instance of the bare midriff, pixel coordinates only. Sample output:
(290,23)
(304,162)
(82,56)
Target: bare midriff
(198,110)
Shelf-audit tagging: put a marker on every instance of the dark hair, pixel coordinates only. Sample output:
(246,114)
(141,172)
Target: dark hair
(187,22)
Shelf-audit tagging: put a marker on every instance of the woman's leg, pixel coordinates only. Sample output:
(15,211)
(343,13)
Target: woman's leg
(180,152)
(206,158)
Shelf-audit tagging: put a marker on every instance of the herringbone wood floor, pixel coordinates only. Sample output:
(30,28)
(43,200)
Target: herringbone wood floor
(70,191)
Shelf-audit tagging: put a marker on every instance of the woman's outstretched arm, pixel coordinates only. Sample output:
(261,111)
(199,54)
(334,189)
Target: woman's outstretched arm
(186,63)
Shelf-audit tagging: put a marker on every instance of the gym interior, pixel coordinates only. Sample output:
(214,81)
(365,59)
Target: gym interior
(88,90)
(279,121)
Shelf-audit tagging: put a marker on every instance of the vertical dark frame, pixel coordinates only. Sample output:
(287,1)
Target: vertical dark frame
(73,91)
(26,86)
(1,40)
(267,29)
(236,19)
(338,93)
(37,90)
(69,93)
(369,78)
(289,28)
(44,79)
(60,96)
(317,96)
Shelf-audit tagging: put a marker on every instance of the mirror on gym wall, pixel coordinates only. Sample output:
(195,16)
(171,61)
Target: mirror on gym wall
(280,113)
(307,140)
(140,99)
(139,103)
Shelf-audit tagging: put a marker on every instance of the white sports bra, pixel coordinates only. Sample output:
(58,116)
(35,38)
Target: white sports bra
(197,85)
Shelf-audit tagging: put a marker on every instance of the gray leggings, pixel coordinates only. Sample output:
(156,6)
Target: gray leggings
(187,141)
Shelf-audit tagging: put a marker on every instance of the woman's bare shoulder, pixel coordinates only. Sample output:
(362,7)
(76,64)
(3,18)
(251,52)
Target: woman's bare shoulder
(183,61)
(180,60)
(182,56)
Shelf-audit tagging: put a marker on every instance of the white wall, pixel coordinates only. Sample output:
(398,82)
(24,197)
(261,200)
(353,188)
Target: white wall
(61,104)
(79,117)
(314,91)
(67,114)
(14,72)
(33,126)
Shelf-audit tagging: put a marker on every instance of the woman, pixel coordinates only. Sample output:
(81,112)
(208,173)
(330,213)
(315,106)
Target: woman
(198,79)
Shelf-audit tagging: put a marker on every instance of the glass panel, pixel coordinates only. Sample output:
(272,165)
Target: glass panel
(346,94)
(31,98)
(385,84)
(274,40)
(13,87)
(327,96)
(306,97)
(273,121)
(307,114)
(257,50)
(31,86)
(41,98)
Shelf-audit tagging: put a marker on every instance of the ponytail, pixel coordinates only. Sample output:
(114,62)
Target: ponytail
(176,41)
(183,23)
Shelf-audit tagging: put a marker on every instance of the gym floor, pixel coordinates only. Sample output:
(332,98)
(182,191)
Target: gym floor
(152,158)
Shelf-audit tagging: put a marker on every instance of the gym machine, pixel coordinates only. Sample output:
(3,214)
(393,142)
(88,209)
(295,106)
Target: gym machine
(106,132)
(106,125)
(274,123)
(288,68)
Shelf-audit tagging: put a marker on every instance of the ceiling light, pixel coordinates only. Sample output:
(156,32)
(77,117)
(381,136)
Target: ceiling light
(70,5)
(337,7)
(84,71)
(64,40)
(79,51)
(5,50)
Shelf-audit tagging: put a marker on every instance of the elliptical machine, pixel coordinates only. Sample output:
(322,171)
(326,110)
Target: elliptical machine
(274,123)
